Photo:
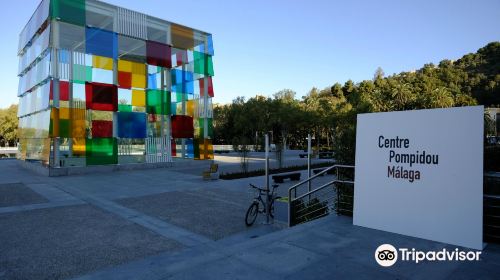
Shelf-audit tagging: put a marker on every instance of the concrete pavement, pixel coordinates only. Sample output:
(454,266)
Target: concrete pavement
(328,248)
(170,224)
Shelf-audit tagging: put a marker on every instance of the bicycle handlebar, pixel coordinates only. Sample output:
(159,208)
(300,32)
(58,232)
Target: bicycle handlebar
(255,187)
(262,189)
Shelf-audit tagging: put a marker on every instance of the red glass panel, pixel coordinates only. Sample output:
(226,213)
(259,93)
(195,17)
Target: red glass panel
(63,90)
(182,127)
(125,79)
(102,128)
(103,97)
(173,147)
(159,54)
(210,87)
(181,56)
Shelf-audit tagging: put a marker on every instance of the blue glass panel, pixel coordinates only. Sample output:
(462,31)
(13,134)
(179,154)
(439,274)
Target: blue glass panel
(101,42)
(173,108)
(63,56)
(188,76)
(189,87)
(189,148)
(152,84)
(131,125)
(176,76)
(210,42)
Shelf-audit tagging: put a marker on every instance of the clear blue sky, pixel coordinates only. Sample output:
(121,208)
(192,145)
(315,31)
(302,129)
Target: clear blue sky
(264,46)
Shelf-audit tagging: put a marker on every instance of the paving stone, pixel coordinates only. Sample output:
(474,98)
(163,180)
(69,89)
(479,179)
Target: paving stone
(14,194)
(214,218)
(68,241)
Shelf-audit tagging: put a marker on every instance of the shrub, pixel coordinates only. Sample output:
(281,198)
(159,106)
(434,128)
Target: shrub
(312,210)
(261,172)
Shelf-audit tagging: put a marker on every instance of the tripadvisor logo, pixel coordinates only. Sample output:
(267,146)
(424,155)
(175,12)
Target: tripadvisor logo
(387,255)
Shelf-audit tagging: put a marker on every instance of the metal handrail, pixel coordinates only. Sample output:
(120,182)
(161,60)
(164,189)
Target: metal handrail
(290,201)
(309,192)
(322,187)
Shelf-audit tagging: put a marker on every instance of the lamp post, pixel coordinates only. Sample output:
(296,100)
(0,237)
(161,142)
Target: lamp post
(309,148)
(267,177)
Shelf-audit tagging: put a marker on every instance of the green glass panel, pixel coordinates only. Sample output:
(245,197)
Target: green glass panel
(203,64)
(64,128)
(158,102)
(100,151)
(71,11)
(167,99)
(210,127)
(178,96)
(51,130)
(124,108)
(199,62)
(196,148)
(210,66)
(82,73)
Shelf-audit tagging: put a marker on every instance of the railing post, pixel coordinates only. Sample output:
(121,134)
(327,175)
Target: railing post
(309,165)
(289,208)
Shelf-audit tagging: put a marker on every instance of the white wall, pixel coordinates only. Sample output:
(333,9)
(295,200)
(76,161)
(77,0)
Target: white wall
(446,203)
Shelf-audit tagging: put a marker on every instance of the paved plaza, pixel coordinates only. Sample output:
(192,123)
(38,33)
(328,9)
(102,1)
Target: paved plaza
(170,224)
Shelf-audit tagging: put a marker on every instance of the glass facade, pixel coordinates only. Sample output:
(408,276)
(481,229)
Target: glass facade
(100,84)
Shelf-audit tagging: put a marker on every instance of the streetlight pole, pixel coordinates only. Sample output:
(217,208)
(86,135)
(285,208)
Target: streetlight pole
(309,148)
(267,178)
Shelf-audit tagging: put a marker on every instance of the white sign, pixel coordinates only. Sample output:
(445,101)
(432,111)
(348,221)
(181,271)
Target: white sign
(420,173)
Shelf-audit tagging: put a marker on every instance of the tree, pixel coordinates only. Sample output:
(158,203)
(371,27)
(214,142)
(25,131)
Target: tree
(8,126)
(336,90)
(330,113)
(379,74)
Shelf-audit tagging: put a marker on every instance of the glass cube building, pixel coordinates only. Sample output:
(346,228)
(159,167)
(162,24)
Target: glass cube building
(101,84)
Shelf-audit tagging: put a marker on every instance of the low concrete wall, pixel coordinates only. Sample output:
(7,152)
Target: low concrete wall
(38,168)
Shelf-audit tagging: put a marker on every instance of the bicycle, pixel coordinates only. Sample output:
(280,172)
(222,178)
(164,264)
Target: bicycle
(254,208)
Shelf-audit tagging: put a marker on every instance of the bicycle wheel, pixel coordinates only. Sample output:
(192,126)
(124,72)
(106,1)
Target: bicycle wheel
(251,215)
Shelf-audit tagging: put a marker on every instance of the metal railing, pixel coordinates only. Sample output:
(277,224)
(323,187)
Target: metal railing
(491,210)
(318,204)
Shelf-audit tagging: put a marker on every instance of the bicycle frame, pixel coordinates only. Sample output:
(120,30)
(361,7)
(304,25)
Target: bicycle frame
(268,195)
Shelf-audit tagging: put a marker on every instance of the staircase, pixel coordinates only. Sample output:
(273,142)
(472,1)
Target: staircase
(308,202)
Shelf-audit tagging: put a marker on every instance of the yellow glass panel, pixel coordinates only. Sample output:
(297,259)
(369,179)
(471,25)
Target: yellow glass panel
(64,113)
(138,98)
(79,123)
(182,37)
(79,146)
(138,81)
(209,150)
(54,120)
(63,103)
(101,115)
(102,62)
(124,66)
(78,114)
(190,108)
(78,128)
(138,68)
